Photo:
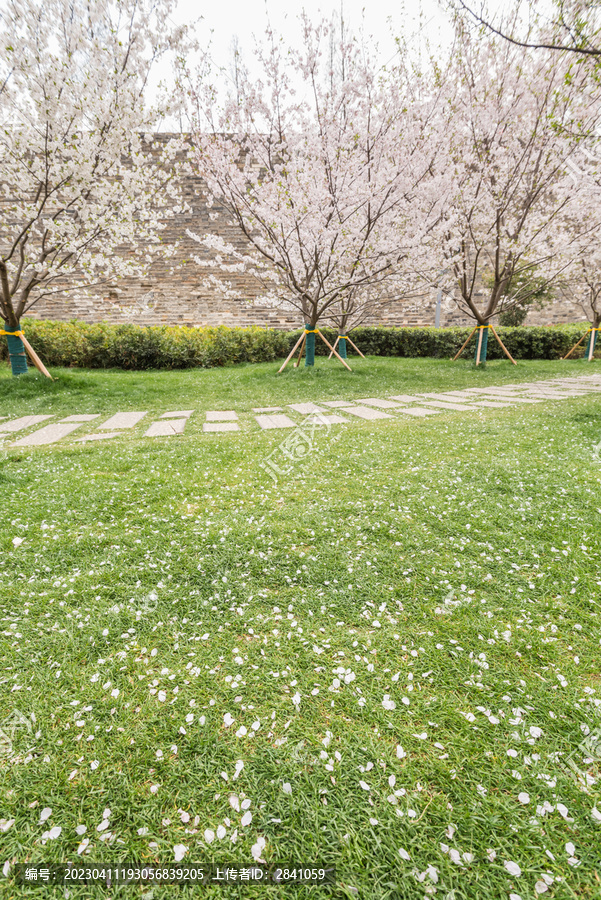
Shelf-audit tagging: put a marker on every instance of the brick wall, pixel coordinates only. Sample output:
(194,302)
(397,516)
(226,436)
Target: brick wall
(172,292)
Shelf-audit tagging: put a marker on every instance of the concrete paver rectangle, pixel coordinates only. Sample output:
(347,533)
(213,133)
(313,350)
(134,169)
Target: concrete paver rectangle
(47,435)
(103,436)
(419,412)
(324,419)
(222,415)
(336,404)
(275,421)
(405,398)
(440,405)
(123,420)
(305,409)
(178,414)
(379,404)
(267,409)
(80,418)
(166,428)
(23,422)
(220,426)
(446,398)
(364,412)
(491,404)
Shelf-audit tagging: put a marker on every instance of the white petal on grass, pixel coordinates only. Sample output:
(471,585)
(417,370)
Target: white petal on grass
(257,849)
(221,832)
(179,851)
(209,836)
(512,868)
(228,720)
(364,785)
(83,846)
(45,814)
(103,825)
(54,832)
(162,696)
(403,854)
(524,797)
(287,787)
(540,887)
(81,829)
(246,819)
(401,754)
(17,541)
(234,802)
(94,764)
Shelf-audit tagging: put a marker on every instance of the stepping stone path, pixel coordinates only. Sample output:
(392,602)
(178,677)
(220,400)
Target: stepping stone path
(80,418)
(364,412)
(379,404)
(273,417)
(123,420)
(419,412)
(166,428)
(23,422)
(305,409)
(47,435)
(221,420)
(282,421)
(98,437)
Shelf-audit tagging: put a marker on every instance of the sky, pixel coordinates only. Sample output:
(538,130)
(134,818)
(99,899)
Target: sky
(222,21)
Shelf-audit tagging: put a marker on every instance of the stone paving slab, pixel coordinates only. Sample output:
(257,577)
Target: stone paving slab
(364,412)
(336,404)
(491,404)
(324,419)
(448,398)
(440,405)
(123,420)
(379,404)
(104,436)
(23,422)
(220,426)
(275,421)
(81,418)
(267,409)
(47,435)
(405,398)
(166,428)
(305,409)
(222,416)
(178,414)
(419,412)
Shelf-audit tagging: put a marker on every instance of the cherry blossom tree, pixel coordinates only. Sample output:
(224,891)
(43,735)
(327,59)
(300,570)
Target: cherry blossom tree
(317,164)
(82,190)
(514,121)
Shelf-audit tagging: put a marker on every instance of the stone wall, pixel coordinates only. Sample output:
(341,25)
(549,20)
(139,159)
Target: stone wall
(172,292)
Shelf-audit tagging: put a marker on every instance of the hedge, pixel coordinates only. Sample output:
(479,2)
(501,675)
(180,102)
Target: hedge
(104,346)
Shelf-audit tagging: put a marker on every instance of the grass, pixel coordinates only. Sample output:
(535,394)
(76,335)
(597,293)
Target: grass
(247,385)
(427,585)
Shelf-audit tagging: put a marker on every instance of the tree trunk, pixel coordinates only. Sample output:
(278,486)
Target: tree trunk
(310,346)
(16,350)
(481,345)
(592,342)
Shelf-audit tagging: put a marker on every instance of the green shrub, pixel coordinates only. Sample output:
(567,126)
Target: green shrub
(104,346)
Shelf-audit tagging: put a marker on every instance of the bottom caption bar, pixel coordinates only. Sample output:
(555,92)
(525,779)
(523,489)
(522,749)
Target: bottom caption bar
(193,873)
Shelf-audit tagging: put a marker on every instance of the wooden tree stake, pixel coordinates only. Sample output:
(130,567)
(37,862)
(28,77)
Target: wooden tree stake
(35,358)
(503,345)
(355,347)
(457,355)
(302,338)
(333,351)
(300,352)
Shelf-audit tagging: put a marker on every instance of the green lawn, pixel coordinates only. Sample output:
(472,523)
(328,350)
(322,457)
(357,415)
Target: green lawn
(404,631)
